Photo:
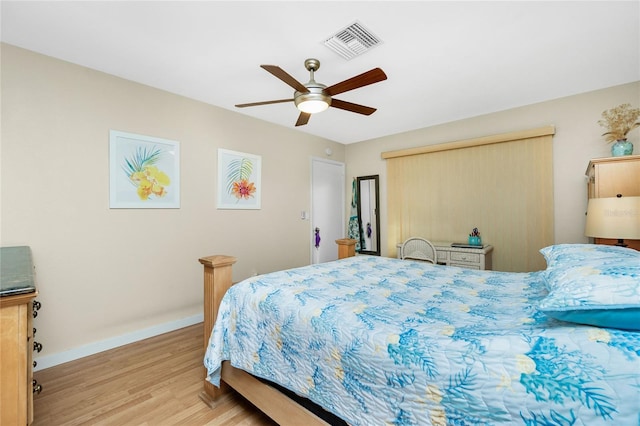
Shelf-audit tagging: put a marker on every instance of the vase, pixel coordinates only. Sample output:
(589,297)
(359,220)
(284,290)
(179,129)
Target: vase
(475,241)
(621,147)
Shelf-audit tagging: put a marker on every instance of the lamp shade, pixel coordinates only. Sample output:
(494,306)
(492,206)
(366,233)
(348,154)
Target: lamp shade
(613,218)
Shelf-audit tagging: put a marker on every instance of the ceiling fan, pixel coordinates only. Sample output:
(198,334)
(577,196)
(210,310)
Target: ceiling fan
(313,97)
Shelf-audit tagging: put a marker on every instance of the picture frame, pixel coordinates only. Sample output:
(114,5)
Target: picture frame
(239,180)
(144,172)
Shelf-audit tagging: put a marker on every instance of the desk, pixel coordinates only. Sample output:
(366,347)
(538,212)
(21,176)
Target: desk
(471,258)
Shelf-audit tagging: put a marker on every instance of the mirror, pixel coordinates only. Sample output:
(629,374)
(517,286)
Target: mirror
(368,208)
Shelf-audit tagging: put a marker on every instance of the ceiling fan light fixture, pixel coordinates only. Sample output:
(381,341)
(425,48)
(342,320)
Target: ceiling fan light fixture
(313,106)
(313,101)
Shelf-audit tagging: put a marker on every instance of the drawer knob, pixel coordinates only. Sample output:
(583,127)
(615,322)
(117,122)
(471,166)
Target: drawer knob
(37,388)
(37,346)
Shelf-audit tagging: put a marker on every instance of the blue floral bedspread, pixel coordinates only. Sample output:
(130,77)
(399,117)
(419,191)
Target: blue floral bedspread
(383,341)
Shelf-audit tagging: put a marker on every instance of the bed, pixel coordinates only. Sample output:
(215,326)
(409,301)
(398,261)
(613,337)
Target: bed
(377,340)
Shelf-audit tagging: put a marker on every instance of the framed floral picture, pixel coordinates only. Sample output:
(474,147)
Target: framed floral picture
(239,184)
(144,172)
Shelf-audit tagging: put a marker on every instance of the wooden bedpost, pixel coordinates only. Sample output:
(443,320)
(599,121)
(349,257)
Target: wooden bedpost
(217,280)
(346,247)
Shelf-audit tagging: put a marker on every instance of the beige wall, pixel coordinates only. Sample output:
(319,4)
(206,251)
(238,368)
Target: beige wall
(106,272)
(576,141)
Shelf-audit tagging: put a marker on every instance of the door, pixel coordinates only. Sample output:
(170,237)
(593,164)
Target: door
(327,209)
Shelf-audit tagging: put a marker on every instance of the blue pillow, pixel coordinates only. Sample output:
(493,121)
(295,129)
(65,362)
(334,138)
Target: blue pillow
(604,292)
(569,254)
(624,319)
(561,256)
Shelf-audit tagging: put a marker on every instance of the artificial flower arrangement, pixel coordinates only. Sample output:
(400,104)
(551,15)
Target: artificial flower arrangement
(619,121)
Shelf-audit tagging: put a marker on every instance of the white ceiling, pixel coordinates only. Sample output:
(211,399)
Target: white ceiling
(444,60)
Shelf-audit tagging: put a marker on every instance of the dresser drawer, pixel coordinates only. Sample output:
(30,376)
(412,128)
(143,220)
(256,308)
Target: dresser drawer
(464,257)
(466,265)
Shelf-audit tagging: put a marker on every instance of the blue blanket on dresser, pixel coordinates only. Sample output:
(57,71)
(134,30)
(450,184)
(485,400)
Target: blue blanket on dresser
(383,341)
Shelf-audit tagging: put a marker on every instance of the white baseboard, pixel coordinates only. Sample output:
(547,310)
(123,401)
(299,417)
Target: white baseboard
(114,342)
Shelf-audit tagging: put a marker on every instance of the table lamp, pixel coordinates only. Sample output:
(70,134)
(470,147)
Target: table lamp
(614,217)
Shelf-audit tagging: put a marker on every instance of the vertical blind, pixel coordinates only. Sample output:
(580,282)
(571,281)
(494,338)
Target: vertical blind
(502,185)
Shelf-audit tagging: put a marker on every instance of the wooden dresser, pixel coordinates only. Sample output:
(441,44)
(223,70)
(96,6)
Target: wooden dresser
(16,342)
(611,177)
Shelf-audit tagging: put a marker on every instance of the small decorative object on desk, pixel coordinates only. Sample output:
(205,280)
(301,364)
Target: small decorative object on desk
(619,121)
(474,238)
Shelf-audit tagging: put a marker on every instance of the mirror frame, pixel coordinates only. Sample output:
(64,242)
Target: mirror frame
(376,179)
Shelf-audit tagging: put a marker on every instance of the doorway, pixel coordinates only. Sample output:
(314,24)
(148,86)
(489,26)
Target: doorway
(327,209)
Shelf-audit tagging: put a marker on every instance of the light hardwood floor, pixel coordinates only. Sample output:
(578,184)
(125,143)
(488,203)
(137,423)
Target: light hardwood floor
(152,382)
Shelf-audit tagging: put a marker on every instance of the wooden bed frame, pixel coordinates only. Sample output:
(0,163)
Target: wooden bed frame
(278,406)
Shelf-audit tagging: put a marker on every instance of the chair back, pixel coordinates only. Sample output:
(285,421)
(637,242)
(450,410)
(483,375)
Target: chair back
(417,248)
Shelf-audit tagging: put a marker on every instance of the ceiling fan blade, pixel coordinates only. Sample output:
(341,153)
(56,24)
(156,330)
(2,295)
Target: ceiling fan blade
(372,76)
(264,103)
(348,106)
(282,75)
(303,119)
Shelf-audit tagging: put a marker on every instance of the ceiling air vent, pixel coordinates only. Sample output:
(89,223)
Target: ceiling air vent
(352,41)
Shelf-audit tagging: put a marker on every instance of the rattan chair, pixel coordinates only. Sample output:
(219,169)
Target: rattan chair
(416,248)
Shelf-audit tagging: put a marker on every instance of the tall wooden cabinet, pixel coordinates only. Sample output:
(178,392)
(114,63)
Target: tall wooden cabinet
(613,176)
